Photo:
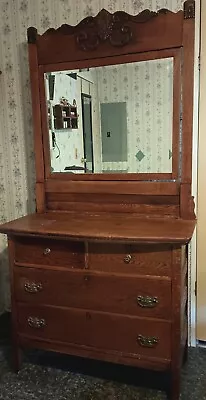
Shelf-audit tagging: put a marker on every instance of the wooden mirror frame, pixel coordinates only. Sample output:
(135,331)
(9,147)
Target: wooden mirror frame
(112,39)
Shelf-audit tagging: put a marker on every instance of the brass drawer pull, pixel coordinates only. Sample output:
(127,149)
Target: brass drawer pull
(32,287)
(147,301)
(46,251)
(147,341)
(35,322)
(127,258)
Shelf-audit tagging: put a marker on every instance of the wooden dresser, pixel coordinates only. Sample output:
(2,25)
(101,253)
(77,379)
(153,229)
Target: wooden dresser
(100,270)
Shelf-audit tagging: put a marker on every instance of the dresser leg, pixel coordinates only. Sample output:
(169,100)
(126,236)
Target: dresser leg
(174,393)
(16,358)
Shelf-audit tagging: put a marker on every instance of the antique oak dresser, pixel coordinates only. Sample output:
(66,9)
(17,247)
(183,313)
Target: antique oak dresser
(100,270)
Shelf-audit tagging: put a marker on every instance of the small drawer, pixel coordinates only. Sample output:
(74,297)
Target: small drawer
(124,334)
(135,259)
(51,252)
(147,297)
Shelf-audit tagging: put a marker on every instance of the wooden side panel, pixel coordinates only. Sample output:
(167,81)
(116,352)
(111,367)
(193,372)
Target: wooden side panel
(16,356)
(176,115)
(188,89)
(176,323)
(187,204)
(40,197)
(36,112)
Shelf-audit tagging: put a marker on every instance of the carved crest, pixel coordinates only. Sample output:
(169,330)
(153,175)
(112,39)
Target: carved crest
(116,28)
(104,27)
(189,9)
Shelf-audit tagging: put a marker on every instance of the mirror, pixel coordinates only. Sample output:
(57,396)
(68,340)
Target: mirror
(112,119)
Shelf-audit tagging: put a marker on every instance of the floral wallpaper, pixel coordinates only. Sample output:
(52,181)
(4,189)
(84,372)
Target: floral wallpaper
(17,172)
(147,89)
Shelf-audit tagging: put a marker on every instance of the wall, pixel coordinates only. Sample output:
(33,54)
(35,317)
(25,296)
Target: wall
(147,88)
(201,225)
(17,172)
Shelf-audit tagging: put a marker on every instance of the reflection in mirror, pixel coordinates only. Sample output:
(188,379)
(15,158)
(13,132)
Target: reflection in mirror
(112,119)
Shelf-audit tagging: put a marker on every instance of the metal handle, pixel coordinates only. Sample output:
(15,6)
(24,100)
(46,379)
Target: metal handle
(127,258)
(147,341)
(35,322)
(46,251)
(147,301)
(32,287)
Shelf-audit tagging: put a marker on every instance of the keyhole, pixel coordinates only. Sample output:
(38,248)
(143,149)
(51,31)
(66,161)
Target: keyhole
(88,315)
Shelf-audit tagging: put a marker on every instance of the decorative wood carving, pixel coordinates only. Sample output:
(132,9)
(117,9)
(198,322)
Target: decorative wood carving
(113,27)
(104,26)
(189,9)
(91,31)
(192,208)
(32,35)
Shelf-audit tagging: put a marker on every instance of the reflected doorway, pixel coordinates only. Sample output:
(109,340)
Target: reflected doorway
(87,132)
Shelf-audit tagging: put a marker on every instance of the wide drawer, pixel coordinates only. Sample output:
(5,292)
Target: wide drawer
(150,296)
(125,258)
(128,335)
(51,252)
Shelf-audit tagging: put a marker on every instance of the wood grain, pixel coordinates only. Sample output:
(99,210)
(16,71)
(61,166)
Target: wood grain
(188,90)
(142,205)
(152,363)
(62,253)
(87,291)
(156,34)
(102,226)
(40,195)
(116,187)
(154,260)
(34,79)
(99,330)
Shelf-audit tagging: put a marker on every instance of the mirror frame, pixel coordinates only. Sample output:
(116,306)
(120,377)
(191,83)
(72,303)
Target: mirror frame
(116,39)
(130,58)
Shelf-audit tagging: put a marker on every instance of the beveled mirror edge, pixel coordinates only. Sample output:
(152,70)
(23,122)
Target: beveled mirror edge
(155,55)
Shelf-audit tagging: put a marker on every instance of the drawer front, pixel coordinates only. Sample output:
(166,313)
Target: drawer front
(139,259)
(128,335)
(148,297)
(49,252)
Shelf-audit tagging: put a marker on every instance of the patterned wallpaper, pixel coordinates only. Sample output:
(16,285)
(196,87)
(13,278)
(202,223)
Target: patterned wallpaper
(147,89)
(17,172)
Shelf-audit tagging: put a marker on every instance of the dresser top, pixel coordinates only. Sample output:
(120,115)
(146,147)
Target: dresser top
(102,226)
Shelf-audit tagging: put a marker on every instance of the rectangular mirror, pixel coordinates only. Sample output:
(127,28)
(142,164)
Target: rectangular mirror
(112,119)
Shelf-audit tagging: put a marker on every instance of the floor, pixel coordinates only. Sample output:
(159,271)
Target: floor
(54,377)
(49,376)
